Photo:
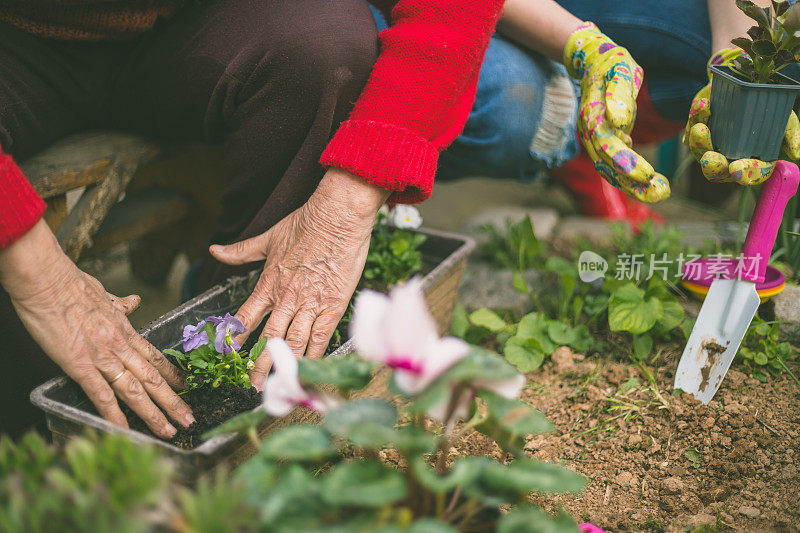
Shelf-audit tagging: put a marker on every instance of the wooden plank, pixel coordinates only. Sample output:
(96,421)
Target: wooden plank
(76,232)
(137,215)
(82,160)
(56,211)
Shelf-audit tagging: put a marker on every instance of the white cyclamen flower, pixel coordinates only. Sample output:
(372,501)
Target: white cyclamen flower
(398,331)
(282,389)
(405,217)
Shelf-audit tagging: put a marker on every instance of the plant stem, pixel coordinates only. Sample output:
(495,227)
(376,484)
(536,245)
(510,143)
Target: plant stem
(453,502)
(786,368)
(444,444)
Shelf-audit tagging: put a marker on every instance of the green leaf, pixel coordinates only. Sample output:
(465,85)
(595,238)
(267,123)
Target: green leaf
(523,476)
(628,310)
(347,371)
(300,442)
(363,484)
(488,319)
(368,423)
(174,353)
(514,415)
(642,346)
(535,326)
(561,266)
(791,22)
(463,472)
(460,324)
(431,525)
(672,315)
(744,43)
(694,456)
(532,520)
(520,353)
(780,7)
(760,358)
(520,284)
(584,341)
(522,240)
(561,333)
(242,424)
(755,12)
(343,418)
(764,48)
(257,348)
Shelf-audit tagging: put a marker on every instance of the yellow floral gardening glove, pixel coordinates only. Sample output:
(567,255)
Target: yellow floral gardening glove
(610,81)
(715,165)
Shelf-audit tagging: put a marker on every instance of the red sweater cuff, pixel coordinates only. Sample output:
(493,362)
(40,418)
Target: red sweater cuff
(20,206)
(386,155)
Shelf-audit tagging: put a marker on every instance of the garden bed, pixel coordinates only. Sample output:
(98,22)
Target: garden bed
(667,466)
(69,412)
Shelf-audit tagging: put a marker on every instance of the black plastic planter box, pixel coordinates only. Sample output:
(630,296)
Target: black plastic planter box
(748,120)
(65,405)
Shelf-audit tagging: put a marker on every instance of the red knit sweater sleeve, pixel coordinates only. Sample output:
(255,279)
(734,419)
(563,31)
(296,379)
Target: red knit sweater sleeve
(20,206)
(418,96)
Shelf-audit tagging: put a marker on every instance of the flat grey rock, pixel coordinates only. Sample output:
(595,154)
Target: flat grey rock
(787,310)
(595,230)
(485,286)
(544,219)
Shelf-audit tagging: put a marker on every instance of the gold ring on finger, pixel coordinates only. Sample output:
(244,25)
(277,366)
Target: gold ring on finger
(121,373)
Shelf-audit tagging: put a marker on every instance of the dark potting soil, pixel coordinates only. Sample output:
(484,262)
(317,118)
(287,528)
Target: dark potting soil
(211,407)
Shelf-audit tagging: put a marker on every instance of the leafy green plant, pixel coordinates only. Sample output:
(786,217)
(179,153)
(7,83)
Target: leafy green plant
(772,43)
(517,249)
(527,343)
(762,353)
(92,484)
(568,312)
(376,465)
(393,256)
(648,314)
(211,355)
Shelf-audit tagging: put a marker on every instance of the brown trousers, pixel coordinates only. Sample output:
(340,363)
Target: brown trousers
(269,79)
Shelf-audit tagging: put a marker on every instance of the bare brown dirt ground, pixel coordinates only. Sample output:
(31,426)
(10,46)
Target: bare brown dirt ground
(657,462)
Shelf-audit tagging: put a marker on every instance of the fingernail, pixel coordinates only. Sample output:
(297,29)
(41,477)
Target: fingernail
(188,420)
(214,248)
(170,430)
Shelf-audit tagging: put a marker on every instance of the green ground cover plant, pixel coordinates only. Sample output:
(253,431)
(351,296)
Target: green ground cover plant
(627,317)
(378,464)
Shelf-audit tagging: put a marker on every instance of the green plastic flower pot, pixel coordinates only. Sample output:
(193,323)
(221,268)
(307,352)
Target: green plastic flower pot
(748,120)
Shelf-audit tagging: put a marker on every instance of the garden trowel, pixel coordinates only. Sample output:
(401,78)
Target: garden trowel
(731,304)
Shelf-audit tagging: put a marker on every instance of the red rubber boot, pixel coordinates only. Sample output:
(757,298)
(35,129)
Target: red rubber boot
(595,197)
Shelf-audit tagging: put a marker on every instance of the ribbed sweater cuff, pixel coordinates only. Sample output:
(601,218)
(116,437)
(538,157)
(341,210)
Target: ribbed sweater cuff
(20,206)
(391,157)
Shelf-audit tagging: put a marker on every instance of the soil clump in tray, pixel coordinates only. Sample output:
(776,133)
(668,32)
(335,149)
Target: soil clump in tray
(210,406)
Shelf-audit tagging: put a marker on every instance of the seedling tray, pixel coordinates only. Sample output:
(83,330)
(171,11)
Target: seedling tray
(69,412)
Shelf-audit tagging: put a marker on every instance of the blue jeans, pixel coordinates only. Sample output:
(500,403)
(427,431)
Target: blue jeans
(518,92)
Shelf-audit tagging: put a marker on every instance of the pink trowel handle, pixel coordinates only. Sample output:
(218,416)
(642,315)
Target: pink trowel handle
(767,217)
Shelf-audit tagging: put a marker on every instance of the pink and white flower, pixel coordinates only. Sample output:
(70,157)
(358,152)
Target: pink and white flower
(398,331)
(507,388)
(282,389)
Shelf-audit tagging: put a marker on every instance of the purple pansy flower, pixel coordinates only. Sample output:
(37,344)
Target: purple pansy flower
(194,336)
(224,326)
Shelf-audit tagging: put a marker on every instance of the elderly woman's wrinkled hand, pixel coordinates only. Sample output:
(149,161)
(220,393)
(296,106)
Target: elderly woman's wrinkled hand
(313,262)
(84,330)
